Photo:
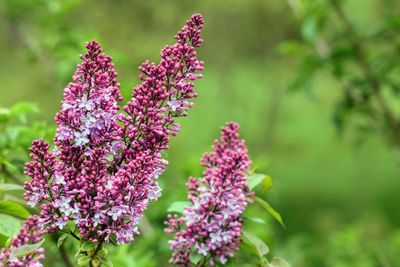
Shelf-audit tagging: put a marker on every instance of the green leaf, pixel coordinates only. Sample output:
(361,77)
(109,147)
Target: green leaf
(61,239)
(254,219)
(270,210)
(86,246)
(259,246)
(102,252)
(105,261)
(14,209)
(9,226)
(278,262)
(84,260)
(258,178)
(179,206)
(195,258)
(10,187)
(26,249)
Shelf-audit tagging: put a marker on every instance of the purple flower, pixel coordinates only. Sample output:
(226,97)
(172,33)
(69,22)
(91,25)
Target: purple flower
(30,234)
(102,173)
(212,225)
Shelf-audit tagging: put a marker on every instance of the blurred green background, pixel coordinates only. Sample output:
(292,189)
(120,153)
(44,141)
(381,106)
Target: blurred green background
(338,194)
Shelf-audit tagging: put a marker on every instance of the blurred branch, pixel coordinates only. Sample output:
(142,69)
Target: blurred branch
(6,172)
(371,77)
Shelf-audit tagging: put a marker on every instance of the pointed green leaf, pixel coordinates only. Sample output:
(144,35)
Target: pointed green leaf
(26,249)
(14,209)
(259,246)
(61,239)
(179,206)
(257,178)
(270,210)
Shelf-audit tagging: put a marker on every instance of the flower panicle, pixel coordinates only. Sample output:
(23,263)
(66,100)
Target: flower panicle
(212,225)
(102,171)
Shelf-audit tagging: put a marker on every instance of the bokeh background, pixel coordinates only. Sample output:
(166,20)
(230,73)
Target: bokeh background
(338,193)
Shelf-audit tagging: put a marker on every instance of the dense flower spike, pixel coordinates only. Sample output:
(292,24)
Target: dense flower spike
(102,173)
(212,226)
(30,234)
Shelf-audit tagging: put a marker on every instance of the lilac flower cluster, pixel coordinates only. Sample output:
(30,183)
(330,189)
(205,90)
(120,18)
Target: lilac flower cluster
(102,172)
(212,226)
(29,234)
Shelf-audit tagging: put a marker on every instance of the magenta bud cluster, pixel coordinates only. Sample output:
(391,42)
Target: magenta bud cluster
(31,233)
(102,172)
(212,225)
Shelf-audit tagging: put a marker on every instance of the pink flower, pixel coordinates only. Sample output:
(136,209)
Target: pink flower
(212,225)
(102,174)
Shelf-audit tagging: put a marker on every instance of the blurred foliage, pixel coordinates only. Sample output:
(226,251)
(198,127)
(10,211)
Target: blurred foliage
(339,200)
(361,59)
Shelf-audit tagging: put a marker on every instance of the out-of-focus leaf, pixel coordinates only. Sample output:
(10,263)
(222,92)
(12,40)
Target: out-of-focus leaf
(278,262)
(178,206)
(10,187)
(23,108)
(260,248)
(14,209)
(26,249)
(291,48)
(309,28)
(4,115)
(9,226)
(270,209)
